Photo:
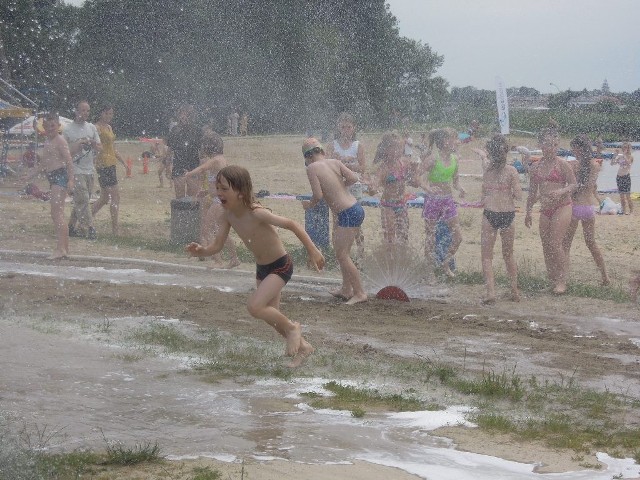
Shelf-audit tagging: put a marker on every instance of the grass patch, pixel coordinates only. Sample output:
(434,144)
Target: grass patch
(532,283)
(216,356)
(491,384)
(359,400)
(119,454)
(206,473)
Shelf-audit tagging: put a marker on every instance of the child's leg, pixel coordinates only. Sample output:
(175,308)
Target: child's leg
(508,236)
(487,241)
(263,305)
(559,225)
(456,240)
(114,207)
(589,231)
(351,281)
(58,196)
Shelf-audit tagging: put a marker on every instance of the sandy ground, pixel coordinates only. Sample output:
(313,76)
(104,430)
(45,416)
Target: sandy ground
(546,336)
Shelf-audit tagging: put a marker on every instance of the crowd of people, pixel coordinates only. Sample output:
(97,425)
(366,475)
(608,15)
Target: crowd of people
(193,160)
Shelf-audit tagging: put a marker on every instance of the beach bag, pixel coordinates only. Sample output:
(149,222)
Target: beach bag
(609,207)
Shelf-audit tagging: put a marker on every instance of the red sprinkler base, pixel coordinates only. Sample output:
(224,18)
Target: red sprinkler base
(392,293)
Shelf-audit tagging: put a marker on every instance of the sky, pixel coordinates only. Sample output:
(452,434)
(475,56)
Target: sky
(549,45)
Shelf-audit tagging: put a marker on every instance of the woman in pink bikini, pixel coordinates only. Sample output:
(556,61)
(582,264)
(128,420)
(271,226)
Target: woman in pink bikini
(552,181)
(583,202)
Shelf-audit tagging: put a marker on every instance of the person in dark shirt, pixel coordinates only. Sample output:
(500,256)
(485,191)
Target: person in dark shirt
(184,142)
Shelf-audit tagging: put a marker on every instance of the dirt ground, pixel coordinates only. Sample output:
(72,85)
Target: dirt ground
(596,342)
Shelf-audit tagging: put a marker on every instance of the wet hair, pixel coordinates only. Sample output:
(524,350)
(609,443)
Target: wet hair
(548,132)
(439,136)
(626,147)
(388,142)
(51,116)
(497,148)
(187,109)
(346,117)
(212,144)
(581,146)
(240,181)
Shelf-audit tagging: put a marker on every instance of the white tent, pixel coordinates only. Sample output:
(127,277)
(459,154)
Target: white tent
(25,127)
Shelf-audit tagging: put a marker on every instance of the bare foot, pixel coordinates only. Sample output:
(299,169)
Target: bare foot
(560,290)
(340,294)
(489,300)
(293,340)
(57,255)
(605,282)
(304,351)
(357,299)
(447,271)
(515,296)
(215,263)
(233,263)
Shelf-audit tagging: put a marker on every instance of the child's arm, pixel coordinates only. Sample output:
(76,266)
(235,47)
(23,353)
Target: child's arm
(120,159)
(208,165)
(315,255)
(456,184)
(350,177)
(316,189)
(197,250)
(516,188)
(532,198)
(362,163)
(68,161)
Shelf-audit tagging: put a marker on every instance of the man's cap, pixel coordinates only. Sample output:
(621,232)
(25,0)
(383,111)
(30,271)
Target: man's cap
(309,144)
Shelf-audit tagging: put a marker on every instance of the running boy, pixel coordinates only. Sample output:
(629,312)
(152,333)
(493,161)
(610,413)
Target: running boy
(255,225)
(329,179)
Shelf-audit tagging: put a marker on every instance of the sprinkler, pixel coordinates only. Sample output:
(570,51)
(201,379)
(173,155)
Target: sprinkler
(392,293)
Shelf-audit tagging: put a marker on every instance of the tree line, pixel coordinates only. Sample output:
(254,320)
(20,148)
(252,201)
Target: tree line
(293,65)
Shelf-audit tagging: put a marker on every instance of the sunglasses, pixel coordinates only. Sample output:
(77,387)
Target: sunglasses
(313,151)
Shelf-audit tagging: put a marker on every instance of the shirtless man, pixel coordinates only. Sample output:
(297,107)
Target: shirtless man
(329,179)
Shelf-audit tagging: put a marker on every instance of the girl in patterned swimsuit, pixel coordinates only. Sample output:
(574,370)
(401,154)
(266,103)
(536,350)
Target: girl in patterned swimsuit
(212,161)
(256,226)
(583,200)
(623,177)
(500,187)
(552,181)
(393,175)
(442,173)
(58,165)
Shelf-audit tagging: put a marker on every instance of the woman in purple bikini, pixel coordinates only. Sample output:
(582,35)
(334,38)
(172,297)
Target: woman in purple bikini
(583,202)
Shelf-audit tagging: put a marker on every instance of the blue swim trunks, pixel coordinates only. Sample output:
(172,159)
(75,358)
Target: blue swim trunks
(58,177)
(352,216)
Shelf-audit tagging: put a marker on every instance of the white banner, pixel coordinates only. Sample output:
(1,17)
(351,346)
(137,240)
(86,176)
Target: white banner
(503,106)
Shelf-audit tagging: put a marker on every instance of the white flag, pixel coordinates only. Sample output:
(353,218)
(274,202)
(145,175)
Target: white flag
(503,106)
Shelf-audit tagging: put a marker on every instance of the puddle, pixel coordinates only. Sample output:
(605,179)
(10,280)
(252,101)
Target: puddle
(89,387)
